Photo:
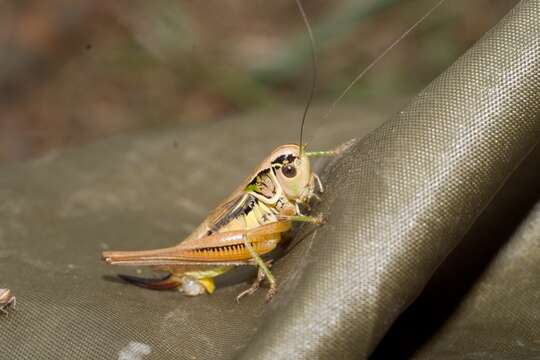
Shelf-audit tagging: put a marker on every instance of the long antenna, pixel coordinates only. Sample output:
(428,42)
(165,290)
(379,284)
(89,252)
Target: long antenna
(314,71)
(381,56)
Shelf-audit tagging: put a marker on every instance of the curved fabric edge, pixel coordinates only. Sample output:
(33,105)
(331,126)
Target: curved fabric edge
(399,201)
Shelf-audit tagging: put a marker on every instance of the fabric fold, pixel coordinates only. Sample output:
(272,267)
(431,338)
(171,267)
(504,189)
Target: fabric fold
(401,199)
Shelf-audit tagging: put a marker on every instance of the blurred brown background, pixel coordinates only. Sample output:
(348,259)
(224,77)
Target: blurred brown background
(72,72)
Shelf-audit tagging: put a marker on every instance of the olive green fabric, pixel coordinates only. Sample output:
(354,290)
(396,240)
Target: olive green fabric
(397,203)
(405,196)
(483,302)
(141,191)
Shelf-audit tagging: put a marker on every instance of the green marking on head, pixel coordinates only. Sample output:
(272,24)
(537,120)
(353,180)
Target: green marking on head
(252,187)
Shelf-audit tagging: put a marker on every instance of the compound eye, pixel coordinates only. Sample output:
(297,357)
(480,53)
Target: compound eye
(289,170)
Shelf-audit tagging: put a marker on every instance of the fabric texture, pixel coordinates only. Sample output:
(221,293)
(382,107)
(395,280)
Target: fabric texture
(405,196)
(435,180)
(482,303)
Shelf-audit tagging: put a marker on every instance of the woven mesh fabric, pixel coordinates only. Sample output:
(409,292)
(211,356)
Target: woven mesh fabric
(483,300)
(397,203)
(139,191)
(404,197)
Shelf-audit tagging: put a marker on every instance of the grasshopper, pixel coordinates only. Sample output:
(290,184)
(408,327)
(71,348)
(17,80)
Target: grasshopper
(248,224)
(245,226)
(6,300)
(252,220)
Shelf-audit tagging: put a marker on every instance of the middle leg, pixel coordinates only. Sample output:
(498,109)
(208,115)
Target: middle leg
(256,284)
